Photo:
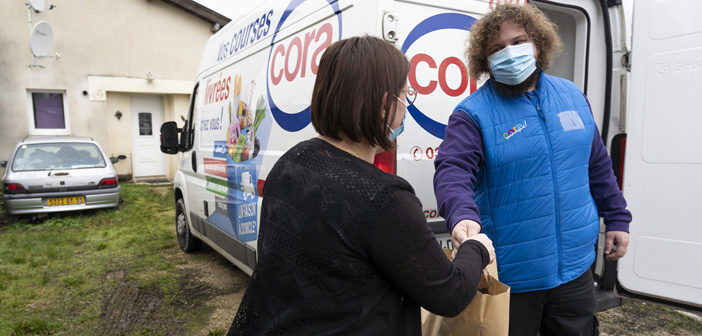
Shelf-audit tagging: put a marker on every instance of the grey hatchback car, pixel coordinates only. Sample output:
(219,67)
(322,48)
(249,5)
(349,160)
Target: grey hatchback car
(52,174)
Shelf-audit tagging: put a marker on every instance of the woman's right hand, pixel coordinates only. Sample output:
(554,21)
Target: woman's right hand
(483,239)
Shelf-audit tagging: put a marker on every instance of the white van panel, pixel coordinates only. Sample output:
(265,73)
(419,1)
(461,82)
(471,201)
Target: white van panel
(439,74)
(675,18)
(663,164)
(669,107)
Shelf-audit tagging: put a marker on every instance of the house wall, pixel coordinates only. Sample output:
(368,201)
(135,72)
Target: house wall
(115,44)
(174,106)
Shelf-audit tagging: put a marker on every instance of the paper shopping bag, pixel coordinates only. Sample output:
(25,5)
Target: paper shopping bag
(486,315)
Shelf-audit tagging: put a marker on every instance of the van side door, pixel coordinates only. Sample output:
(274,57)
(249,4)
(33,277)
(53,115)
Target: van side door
(663,162)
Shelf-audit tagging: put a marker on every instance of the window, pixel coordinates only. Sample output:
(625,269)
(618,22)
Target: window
(47,113)
(50,156)
(187,137)
(145,127)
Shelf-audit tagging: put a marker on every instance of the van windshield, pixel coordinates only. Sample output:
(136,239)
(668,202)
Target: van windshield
(50,156)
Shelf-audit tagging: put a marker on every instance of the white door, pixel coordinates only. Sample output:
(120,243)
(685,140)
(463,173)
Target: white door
(663,164)
(146,122)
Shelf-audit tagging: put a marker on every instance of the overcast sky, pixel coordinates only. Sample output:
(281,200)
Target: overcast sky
(230,8)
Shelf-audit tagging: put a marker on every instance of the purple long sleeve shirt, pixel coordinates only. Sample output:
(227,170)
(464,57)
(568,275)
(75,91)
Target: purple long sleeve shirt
(461,155)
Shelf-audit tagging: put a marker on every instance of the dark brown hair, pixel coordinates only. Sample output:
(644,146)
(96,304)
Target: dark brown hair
(537,26)
(353,77)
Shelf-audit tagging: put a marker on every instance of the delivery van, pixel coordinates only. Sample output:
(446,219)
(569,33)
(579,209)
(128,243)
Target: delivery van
(251,102)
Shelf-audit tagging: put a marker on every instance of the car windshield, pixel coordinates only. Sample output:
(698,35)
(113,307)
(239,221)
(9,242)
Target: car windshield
(51,156)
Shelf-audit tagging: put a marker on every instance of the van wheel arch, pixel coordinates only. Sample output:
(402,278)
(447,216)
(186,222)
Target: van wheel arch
(186,241)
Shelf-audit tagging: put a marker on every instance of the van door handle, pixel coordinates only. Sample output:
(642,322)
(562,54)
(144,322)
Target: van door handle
(193,160)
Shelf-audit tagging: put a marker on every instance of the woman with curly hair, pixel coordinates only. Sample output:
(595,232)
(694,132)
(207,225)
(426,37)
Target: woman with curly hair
(523,162)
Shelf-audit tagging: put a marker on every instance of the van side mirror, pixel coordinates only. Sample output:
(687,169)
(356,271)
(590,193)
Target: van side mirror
(169,138)
(3,163)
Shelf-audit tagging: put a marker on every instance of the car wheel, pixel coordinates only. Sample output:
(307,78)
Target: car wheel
(186,241)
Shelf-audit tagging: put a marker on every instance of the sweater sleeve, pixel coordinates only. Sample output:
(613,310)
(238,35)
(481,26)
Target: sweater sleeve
(457,164)
(608,198)
(403,248)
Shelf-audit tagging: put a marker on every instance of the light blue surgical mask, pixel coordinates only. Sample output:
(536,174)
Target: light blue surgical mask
(513,64)
(394,133)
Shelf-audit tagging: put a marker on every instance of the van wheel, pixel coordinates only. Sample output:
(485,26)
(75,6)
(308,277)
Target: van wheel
(186,241)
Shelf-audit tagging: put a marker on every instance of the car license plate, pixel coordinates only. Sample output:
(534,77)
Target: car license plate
(444,240)
(65,201)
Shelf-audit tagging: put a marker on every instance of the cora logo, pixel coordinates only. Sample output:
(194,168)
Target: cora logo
(435,73)
(514,130)
(293,64)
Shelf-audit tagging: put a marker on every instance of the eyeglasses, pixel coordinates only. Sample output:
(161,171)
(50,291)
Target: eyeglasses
(411,97)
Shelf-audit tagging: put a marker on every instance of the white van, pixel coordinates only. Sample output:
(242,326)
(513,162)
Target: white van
(252,96)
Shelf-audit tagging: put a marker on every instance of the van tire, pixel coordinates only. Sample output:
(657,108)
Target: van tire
(187,242)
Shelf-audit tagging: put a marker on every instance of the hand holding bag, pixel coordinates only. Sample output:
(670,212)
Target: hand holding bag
(486,315)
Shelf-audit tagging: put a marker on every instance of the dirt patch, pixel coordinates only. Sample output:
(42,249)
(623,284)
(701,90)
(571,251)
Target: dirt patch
(646,319)
(218,272)
(132,309)
(162,189)
(129,309)
(116,274)
(225,308)
(227,282)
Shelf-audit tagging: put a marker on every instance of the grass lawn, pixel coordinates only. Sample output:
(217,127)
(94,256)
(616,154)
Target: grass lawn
(100,272)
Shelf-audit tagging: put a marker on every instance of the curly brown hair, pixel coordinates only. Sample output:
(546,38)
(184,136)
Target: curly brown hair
(537,26)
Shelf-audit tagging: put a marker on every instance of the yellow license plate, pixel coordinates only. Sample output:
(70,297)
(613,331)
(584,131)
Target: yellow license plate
(65,201)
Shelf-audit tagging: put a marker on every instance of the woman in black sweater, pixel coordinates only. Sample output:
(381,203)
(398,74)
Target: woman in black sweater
(344,247)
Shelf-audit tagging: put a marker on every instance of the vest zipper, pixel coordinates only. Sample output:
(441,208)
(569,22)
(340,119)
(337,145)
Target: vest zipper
(555,187)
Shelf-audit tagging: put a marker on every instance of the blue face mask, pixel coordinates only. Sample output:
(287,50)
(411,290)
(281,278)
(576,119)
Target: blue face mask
(394,133)
(514,64)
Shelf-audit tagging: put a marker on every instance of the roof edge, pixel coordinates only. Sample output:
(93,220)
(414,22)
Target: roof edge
(200,11)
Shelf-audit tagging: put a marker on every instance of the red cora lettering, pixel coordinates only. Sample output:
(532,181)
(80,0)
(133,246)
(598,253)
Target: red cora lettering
(327,30)
(275,79)
(423,58)
(441,74)
(290,75)
(296,53)
(431,213)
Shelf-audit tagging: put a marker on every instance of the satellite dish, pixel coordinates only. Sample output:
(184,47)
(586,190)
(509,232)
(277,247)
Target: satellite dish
(41,39)
(37,5)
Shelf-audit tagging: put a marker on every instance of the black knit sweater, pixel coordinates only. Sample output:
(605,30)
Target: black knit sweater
(344,248)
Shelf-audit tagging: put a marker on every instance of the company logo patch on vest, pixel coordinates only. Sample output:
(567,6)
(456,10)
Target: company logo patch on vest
(514,130)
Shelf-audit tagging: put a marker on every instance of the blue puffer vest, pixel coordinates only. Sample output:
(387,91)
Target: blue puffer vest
(533,188)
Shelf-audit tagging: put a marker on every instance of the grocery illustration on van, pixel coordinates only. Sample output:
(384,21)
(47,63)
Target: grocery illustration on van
(231,111)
